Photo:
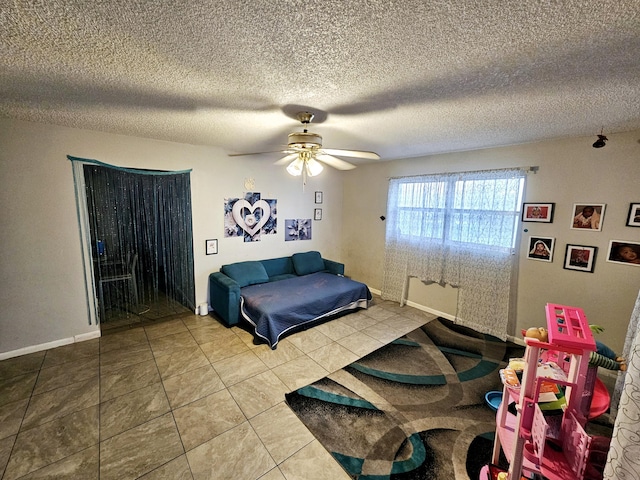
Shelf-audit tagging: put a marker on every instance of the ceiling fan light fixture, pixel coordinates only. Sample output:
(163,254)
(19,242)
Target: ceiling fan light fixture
(314,167)
(295,167)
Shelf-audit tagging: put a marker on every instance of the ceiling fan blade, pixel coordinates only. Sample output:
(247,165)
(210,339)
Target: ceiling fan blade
(335,162)
(257,153)
(289,158)
(352,153)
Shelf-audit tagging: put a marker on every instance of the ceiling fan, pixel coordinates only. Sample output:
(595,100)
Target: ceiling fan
(304,152)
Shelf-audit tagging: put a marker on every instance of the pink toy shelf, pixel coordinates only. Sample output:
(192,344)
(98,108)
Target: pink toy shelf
(546,436)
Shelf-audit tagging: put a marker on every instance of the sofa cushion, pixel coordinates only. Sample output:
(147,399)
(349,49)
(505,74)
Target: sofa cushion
(308,262)
(246,273)
(278,266)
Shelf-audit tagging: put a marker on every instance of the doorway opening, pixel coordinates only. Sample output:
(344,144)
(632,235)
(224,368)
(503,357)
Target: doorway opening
(137,232)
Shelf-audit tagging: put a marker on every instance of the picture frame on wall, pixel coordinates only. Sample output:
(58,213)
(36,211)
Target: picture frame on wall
(211,246)
(633,219)
(317,214)
(580,257)
(587,216)
(541,248)
(318,197)
(538,212)
(624,252)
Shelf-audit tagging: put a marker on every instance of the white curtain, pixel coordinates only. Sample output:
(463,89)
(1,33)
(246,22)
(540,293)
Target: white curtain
(456,229)
(623,461)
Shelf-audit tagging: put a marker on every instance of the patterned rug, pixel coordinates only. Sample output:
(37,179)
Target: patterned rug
(414,409)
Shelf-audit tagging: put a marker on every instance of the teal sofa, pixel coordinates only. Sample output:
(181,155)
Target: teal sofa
(225,285)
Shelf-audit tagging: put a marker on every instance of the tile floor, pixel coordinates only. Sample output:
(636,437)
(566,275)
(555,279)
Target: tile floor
(184,399)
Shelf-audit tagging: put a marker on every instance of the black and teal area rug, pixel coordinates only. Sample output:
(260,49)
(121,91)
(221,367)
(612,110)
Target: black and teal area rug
(414,409)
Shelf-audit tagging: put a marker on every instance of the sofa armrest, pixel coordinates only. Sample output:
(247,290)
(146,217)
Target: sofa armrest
(224,297)
(336,268)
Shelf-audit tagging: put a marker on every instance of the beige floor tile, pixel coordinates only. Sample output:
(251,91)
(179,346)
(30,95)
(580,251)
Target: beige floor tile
(215,460)
(383,332)
(17,388)
(249,338)
(165,328)
(404,324)
(197,321)
(125,357)
(281,432)
(62,401)
(128,379)
(170,343)
(6,445)
(177,469)
(221,348)
(132,409)
(336,329)
(258,393)
(378,312)
(83,465)
(360,343)
(140,450)
(200,421)
(53,441)
(312,462)
(309,340)
(191,386)
(273,474)
(299,372)
(235,369)
(209,333)
(181,361)
(358,320)
(75,352)
(127,338)
(13,367)
(11,415)
(282,354)
(65,374)
(333,357)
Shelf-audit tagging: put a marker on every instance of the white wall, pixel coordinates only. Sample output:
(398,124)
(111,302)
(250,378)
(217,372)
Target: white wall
(571,171)
(42,291)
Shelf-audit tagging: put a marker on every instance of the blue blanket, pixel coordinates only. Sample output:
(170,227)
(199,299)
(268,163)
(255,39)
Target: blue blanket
(274,308)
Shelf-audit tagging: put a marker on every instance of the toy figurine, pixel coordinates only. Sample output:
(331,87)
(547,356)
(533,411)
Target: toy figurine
(603,356)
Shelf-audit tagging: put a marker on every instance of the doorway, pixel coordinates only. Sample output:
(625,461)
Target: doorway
(139,244)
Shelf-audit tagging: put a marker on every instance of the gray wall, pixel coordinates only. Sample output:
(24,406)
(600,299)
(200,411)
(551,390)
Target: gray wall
(571,171)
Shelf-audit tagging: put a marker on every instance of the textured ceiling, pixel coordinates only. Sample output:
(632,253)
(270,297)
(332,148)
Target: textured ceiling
(399,77)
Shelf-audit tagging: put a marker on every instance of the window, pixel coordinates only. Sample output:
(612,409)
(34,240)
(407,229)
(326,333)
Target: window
(458,229)
(459,210)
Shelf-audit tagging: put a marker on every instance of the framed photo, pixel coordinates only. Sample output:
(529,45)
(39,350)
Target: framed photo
(317,214)
(541,248)
(318,197)
(587,216)
(624,252)
(633,220)
(580,257)
(537,212)
(211,246)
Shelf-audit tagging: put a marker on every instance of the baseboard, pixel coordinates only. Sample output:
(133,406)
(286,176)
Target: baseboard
(46,346)
(433,311)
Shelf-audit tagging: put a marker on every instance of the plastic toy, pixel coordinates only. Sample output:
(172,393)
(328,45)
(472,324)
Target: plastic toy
(603,356)
(546,435)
